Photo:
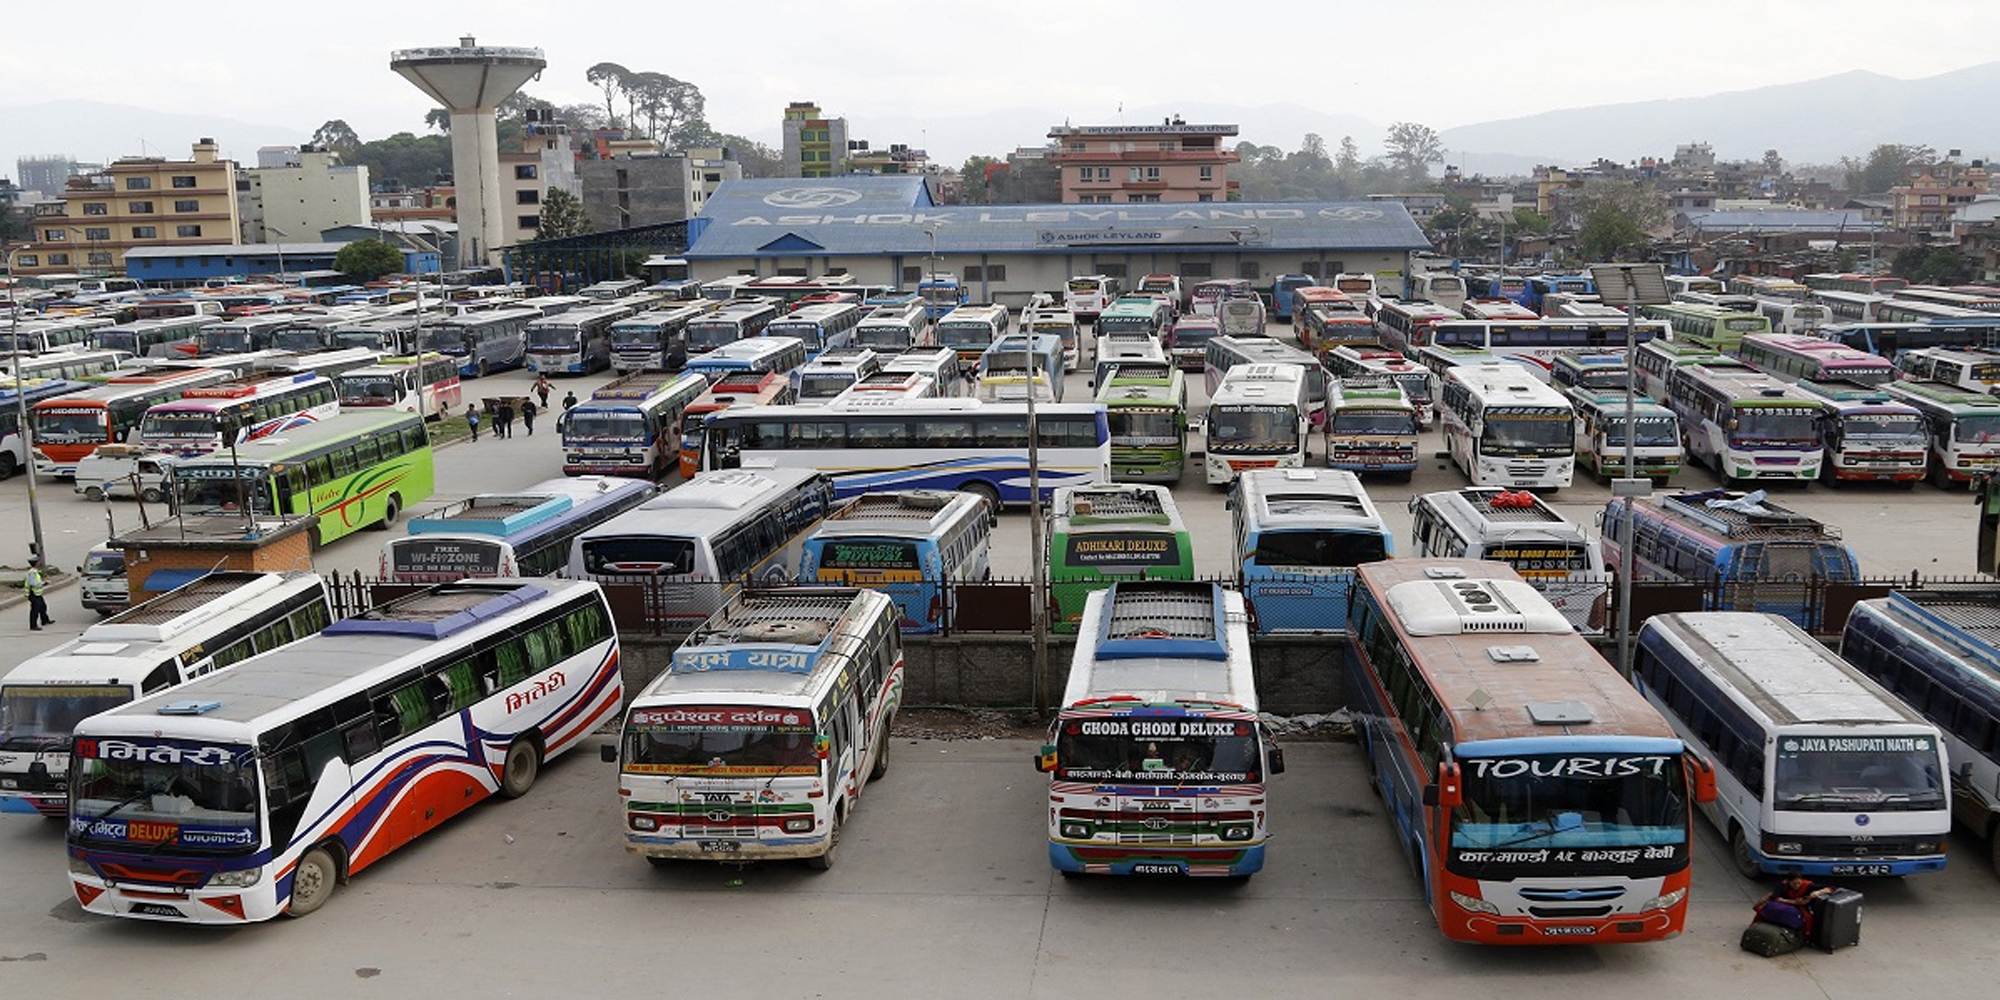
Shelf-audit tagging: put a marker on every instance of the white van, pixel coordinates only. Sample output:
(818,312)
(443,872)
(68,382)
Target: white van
(1520,529)
(101,580)
(114,469)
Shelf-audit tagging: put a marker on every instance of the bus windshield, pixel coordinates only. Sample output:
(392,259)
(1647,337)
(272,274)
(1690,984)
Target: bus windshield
(724,740)
(37,713)
(367,390)
(445,339)
(964,334)
(552,336)
(297,340)
(604,425)
(824,386)
(1765,425)
(222,490)
(1527,432)
(1964,430)
(1134,426)
(703,337)
(1841,773)
(225,341)
(882,336)
(69,426)
(1654,432)
(181,423)
(634,336)
(1373,422)
(1162,750)
(652,554)
(1885,427)
(1318,548)
(201,799)
(1254,428)
(1570,800)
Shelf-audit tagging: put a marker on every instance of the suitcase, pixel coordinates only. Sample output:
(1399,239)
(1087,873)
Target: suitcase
(1836,922)
(1771,940)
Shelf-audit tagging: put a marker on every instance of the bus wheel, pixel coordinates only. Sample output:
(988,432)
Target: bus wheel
(822,862)
(6,466)
(313,882)
(981,488)
(485,368)
(1739,855)
(882,752)
(389,513)
(93,493)
(522,765)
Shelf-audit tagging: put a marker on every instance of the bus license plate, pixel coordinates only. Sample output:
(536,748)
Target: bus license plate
(1148,869)
(1859,870)
(1569,930)
(720,847)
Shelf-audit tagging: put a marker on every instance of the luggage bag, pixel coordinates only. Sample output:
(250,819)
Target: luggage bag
(1771,940)
(1836,920)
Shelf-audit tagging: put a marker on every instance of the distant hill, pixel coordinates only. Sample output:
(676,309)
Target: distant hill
(1817,121)
(96,132)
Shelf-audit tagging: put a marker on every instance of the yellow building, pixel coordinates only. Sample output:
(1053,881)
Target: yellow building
(135,202)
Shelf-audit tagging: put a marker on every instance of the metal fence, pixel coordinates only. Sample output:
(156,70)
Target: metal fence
(649,606)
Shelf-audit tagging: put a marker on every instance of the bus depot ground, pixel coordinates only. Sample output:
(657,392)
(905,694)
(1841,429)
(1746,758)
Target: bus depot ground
(943,887)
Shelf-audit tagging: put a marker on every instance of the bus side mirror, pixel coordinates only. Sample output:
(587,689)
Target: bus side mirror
(1704,778)
(1045,758)
(1446,792)
(609,752)
(1277,758)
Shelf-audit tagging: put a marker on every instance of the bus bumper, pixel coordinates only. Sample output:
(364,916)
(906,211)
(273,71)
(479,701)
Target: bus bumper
(1193,862)
(1636,927)
(180,906)
(34,804)
(684,849)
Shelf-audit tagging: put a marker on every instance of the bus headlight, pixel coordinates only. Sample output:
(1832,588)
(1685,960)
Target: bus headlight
(1474,904)
(1927,847)
(799,824)
(1236,832)
(644,823)
(1666,901)
(237,879)
(78,866)
(1076,831)
(1787,847)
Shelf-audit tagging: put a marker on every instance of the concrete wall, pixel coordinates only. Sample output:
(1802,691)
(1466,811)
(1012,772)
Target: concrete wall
(635,191)
(1295,676)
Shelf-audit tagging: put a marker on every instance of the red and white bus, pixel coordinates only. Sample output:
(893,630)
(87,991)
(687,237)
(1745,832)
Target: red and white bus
(432,388)
(67,428)
(207,418)
(1538,796)
(733,389)
(1407,326)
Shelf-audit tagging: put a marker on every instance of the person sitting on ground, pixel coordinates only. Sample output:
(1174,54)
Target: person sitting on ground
(1789,904)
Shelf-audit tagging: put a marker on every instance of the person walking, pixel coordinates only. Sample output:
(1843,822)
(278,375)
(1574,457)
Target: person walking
(569,401)
(542,389)
(503,420)
(528,415)
(472,420)
(38,603)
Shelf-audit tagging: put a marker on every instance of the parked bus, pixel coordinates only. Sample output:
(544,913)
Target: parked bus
(1871,284)
(1283,289)
(1543,287)
(1371,359)
(1793,316)
(894,328)
(733,389)
(833,372)
(1934,651)
(87,365)
(1145,408)
(1849,307)
(1407,326)
(1497,309)
(694,546)
(1601,426)
(1257,419)
(939,444)
(820,327)
(1519,766)
(393,335)
(1207,295)
(430,387)
(1505,427)
(892,385)
(1226,353)
(631,426)
(1871,436)
(1976,301)
(757,740)
(1012,363)
(68,427)
(1110,532)
(14,394)
(1769,287)
(1187,342)
(782,355)
(1891,339)
(1448,291)
(1657,359)
(209,623)
(429,703)
(574,342)
(1757,556)
(1709,326)
(1591,371)
(737,320)
(483,342)
(653,341)
(1818,769)
(941,364)
(1371,427)
(239,334)
(1964,430)
(1324,318)
(153,338)
(1157,762)
(1746,424)
(1973,369)
(1795,356)
(524,533)
(1087,295)
(1521,530)
(1168,285)
(352,470)
(1137,316)
(911,545)
(970,330)
(940,293)
(610,289)
(1535,344)
(1297,535)
(209,418)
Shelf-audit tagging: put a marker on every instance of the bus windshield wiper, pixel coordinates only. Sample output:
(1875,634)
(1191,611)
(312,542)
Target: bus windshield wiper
(1564,822)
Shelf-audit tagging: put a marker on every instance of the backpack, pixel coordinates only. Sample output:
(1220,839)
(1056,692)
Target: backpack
(1771,940)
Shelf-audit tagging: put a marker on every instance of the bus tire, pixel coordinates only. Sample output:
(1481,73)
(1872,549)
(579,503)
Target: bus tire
(6,465)
(1739,854)
(313,882)
(485,368)
(93,493)
(390,512)
(520,767)
(1993,847)
(982,488)
(658,862)
(881,766)
(825,860)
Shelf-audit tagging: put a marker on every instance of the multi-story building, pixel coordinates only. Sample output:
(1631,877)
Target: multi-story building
(1932,192)
(896,159)
(136,202)
(300,194)
(642,187)
(543,163)
(815,145)
(1171,161)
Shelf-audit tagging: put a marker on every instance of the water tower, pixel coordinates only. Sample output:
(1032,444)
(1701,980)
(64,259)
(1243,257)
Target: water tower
(470,81)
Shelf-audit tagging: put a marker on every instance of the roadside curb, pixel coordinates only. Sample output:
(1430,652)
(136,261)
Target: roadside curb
(16,598)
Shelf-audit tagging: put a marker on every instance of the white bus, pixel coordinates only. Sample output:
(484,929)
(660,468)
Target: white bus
(523,533)
(631,426)
(694,546)
(1536,343)
(202,626)
(940,363)
(732,322)
(1225,352)
(892,328)
(833,372)
(970,330)
(574,342)
(209,418)
(1818,770)
(1505,427)
(656,340)
(888,384)
(430,386)
(1523,531)
(1257,419)
(1746,424)
(1086,295)
(1157,762)
(875,444)
(758,739)
(1601,430)
(757,354)
(822,326)
(295,771)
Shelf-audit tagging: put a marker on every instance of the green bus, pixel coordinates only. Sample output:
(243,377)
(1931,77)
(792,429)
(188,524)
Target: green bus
(352,470)
(1107,532)
(1145,404)
(1709,326)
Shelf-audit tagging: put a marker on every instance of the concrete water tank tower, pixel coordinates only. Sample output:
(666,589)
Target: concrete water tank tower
(470,81)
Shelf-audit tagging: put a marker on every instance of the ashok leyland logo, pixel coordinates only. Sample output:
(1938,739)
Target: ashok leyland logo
(812,197)
(1351,214)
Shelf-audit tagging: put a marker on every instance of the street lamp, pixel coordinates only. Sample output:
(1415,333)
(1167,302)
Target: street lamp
(21,395)
(281,249)
(1637,284)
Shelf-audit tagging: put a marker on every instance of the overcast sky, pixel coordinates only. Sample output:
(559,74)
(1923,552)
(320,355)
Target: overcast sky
(1441,63)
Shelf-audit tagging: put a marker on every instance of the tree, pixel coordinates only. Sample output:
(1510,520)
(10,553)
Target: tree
(438,118)
(610,78)
(404,160)
(1618,218)
(666,103)
(562,215)
(1932,266)
(1884,167)
(365,260)
(1773,163)
(337,136)
(1413,148)
(1349,159)
(973,189)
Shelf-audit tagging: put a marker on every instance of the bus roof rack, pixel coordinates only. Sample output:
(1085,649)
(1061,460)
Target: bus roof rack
(441,611)
(1745,519)
(1163,620)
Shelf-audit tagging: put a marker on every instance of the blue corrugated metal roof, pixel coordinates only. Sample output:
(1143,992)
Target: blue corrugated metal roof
(894,215)
(1781,221)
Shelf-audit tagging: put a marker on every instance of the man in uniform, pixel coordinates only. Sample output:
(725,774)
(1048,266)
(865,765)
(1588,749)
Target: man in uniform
(38,602)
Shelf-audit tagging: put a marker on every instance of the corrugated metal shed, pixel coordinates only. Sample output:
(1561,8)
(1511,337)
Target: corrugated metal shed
(1782,222)
(894,215)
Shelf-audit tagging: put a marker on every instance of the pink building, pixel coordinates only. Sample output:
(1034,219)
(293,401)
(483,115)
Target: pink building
(1171,161)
